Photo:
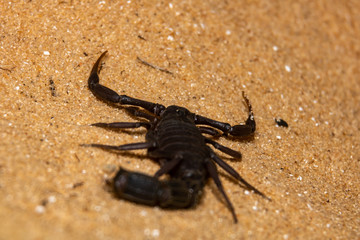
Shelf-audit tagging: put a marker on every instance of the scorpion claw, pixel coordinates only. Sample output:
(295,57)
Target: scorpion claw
(241,130)
(249,127)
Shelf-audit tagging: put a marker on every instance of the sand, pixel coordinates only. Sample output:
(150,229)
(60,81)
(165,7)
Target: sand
(296,60)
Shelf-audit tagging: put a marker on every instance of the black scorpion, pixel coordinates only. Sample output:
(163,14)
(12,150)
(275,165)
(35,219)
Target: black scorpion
(176,142)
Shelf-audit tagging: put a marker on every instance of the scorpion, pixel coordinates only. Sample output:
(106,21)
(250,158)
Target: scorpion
(177,143)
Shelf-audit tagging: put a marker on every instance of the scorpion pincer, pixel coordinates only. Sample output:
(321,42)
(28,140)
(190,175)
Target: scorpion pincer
(175,140)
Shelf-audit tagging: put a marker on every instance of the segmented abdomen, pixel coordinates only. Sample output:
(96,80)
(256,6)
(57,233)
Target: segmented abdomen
(175,136)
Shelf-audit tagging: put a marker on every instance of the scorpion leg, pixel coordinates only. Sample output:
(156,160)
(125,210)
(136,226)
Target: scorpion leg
(242,130)
(211,167)
(168,165)
(235,174)
(224,149)
(106,94)
(137,113)
(130,146)
(209,131)
(122,125)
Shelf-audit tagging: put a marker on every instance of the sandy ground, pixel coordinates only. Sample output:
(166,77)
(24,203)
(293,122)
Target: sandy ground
(296,60)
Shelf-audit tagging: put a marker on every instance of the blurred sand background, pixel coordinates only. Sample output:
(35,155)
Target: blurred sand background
(297,60)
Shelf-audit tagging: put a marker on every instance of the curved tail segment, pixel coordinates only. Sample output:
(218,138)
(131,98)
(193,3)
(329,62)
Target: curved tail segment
(149,190)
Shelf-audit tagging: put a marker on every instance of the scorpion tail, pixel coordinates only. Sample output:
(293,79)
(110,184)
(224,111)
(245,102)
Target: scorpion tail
(149,190)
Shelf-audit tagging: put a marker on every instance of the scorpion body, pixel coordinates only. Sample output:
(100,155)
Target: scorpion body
(177,143)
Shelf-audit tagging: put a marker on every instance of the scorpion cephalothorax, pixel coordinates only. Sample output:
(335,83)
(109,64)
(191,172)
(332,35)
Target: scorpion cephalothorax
(176,142)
